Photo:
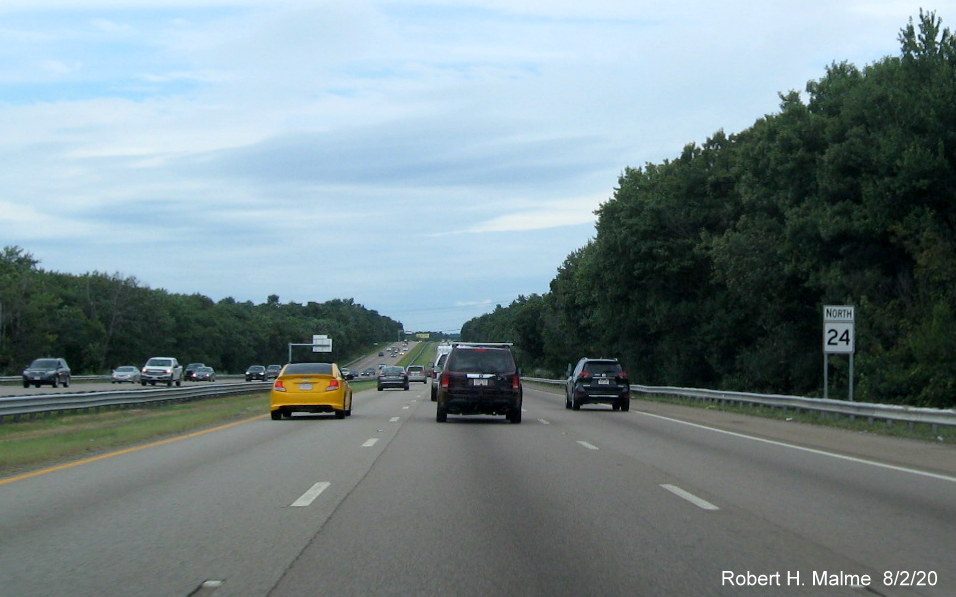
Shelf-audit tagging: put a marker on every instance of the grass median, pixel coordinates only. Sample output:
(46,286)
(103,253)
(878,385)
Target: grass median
(46,441)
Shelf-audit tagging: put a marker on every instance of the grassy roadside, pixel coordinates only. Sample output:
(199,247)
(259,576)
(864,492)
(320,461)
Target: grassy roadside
(52,440)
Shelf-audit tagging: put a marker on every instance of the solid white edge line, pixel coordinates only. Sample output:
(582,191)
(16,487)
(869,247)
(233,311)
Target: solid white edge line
(309,496)
(370,442)
(394,419)
(690,497)
(883,465)
(587,445)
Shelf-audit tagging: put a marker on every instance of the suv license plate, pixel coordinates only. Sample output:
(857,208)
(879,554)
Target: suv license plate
(604,382)
(479,382)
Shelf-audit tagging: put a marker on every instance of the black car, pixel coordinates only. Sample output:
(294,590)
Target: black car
(479,379)
(189,374)
(257,372)
(52,371)
(272,371)
(598,381)
(204,374)
(392,376)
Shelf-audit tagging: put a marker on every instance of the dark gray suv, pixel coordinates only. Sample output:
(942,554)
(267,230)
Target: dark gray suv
(595,381)
(479,379)
(52,371)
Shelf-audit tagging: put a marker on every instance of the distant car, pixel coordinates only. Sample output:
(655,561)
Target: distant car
(596,381)
(204,374)
(369,372)
(189,373)
(162,369)
(50,370)
(416,373)
(392,376)
(480,379)
(381,353)
(347,373)
(257,372)
(126,373)
(312,388)
(272,371)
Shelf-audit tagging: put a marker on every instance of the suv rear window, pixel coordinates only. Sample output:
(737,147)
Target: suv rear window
(481,360)
(602,367)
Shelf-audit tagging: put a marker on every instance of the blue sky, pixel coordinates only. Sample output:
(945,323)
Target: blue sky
(429,159)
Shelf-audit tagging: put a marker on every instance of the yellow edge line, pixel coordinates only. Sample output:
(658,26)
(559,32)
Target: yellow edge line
(126,451)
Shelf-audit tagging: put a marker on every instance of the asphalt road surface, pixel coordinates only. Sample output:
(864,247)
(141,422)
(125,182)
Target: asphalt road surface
(657,501)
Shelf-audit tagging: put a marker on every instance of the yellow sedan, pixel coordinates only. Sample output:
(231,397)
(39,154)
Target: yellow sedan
(311,388)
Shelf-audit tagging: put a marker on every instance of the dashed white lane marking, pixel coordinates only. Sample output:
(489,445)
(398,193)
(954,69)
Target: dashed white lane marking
(690,497)
(370,442)
(394,419)
(544,421)
(406,407)
(309,496)
(587,445)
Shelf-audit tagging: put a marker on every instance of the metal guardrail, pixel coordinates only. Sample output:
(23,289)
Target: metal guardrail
(885,412)
(17,407)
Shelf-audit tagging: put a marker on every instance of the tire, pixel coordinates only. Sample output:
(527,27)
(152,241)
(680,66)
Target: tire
(515,416)
(441,415)
(66,383)
(405,388)
(142,383)
(575,405)
(626,404)
(179,383)
(54,383)
(379,388)
(26,384)
(567,402)
(340,414)
(169,383)
(276,415)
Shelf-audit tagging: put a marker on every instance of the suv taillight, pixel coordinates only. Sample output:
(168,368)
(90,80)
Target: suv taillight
(516,383)
(444,380)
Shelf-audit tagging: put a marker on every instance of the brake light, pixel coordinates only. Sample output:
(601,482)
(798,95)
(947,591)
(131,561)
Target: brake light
(444,381)
(279,385)
(333,385)
(515,383)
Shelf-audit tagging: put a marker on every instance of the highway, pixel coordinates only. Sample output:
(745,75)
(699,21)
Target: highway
(661,500)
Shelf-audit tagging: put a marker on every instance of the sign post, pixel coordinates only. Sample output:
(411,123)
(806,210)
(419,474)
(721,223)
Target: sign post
(838,338)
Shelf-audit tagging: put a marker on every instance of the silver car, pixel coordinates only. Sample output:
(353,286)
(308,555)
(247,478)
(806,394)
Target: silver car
(416,373)
(124,374)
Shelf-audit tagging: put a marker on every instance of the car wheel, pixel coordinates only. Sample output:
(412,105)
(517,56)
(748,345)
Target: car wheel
(567,402)
(340,414)
(406,387)
(626,404)
(169,384)
(66,383)
(575,404)
(142,383)
(441,415)
(276,415)
(36,385)
(515,416)
(26,384)
(54,383)
(379,388)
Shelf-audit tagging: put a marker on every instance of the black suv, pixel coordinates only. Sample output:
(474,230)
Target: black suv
(595,381)
(479,379)
(52,371)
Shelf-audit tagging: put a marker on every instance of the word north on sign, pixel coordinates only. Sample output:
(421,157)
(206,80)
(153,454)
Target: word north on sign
(838,332)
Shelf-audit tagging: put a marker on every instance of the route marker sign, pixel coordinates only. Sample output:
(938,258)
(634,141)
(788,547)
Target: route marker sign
(838,338)
(838,332)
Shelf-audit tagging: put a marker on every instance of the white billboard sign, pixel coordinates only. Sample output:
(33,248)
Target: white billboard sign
(321,343)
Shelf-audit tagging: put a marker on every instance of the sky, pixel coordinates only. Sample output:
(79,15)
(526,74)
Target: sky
(429,159)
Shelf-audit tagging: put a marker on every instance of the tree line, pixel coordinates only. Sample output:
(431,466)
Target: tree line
(712,269)
(98,321)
